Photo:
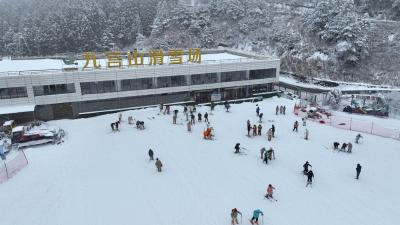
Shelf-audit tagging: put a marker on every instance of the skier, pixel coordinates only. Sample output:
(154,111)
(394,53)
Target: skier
(206,117)
(305,166)
(192,118)
(358,138)
(270,192)
(116,126)
(258,111)
(336,145)
(295,126)
(349,147)
(234,215)
(254,130)
(259,129)
(358,169)
(284,109)
(248,128)
(237,148)
(343,148)
(265,157)
(256,214)
(112,126)
(161,107)
(262,151)
(261,115)
(174,119)
(269,134)
(189,126)
(158,165)
(273,130)
(306,134)
(277,110)
(151,153)
(310,176)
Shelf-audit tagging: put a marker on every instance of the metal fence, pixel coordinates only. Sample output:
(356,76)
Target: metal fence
(349,123)
(9,168)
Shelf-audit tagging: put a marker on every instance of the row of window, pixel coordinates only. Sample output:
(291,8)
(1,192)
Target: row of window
(13,92)
(53,89)
(136,84)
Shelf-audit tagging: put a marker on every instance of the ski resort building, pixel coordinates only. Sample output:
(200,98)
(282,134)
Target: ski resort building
(48,89)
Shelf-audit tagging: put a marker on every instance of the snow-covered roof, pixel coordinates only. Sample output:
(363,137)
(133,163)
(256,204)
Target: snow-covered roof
(8,65)
(16,109)
(18,129)
(8,123)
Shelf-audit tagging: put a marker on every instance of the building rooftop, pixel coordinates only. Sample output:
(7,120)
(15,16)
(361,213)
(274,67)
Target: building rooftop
(23,66)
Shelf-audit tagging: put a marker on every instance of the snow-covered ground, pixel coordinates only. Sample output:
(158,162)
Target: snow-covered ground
(99,177)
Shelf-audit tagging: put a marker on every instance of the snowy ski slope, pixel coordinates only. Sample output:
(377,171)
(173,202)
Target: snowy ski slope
(97,177)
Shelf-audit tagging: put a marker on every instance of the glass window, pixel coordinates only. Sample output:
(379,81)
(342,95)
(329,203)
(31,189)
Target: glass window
(53,89)
(207,78)
(173,81)
(137,84)
(233,76)
(262,74)
(98,87)
(13,92)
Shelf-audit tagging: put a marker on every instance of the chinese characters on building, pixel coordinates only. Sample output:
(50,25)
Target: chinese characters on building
(135,58)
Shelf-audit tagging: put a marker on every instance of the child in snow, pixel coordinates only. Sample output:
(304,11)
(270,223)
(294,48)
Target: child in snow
(295,126)
(273,130)
(189,126)
(258,111)
(206,117)
(237,148)
(269,134)
(349,147)
(306,134)
(151,153)
(130,120)
(358,170)
(270,191)
(265,157)
(310,176)
(262,151)
(248,128)
(256,214)
(199,117)
(277,110)
(261,115)
(284,109)
(234,215)
(158,165)
(358,138)
(254,130)
(305,167)
(343,148)
(259,129)
(336,145)
(280,109)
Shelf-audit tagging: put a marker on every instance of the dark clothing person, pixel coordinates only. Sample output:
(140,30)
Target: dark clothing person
(273,130)
(310,176)
(259,129)
(199,117)
(358,169)
(258,111)
(248,129)
(158,165)
(305,166)
(336,145)
(192,118)
(237,148)
(344,146)
(112,126)
(206,117)
(151,153)
(255,130)
(117,125)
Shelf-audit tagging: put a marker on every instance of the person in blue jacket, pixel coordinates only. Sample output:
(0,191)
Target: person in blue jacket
(256,214)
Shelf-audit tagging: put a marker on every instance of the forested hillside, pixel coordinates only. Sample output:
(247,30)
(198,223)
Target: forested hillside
(339,39)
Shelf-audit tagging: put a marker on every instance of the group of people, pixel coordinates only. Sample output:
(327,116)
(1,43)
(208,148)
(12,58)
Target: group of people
(158,163)
(254,219)
(267,154)
(280,109)
(349,147)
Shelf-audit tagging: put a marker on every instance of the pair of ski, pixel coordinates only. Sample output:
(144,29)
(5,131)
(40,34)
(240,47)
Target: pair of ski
(271,198)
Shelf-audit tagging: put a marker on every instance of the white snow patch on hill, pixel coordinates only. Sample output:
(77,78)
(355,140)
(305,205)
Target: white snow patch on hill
(99,177)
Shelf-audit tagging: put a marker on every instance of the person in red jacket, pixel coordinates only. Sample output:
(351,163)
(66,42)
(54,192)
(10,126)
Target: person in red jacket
(270,191)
